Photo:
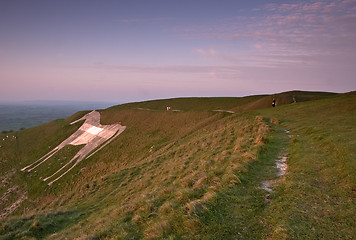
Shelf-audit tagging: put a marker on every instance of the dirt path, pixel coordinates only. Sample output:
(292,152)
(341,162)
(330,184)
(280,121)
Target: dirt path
(153,110)
(281,166)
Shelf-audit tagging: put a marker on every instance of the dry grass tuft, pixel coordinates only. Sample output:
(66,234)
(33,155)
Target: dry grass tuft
(194,207)
(208,196)
(216,181)
(191,225)
(278,233)
(274,121)
(200,182)
(259,118)
(248,156)
(36,226)
(157,230)
(166,208)
(260,140)
(230,179)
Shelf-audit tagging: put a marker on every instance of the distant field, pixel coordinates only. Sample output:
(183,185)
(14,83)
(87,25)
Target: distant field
(25,115)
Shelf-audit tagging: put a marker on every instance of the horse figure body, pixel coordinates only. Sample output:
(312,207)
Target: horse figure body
(91,134)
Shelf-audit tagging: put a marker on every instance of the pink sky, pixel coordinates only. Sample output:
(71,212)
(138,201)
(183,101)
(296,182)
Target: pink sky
(113,51)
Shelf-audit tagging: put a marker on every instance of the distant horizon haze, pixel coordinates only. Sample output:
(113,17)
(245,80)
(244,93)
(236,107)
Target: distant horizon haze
(17,115)
(55,102)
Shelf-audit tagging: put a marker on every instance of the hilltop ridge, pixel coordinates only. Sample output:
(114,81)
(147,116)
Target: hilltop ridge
(243,103)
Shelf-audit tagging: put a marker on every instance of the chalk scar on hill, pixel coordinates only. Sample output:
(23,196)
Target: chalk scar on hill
(91,134)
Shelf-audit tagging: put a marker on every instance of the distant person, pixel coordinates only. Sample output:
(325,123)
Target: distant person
(273,102)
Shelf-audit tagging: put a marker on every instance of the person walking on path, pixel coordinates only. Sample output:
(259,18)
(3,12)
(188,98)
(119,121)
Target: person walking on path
(273,102)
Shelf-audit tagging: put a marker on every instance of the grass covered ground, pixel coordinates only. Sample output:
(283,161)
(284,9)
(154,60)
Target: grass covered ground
(317,199)
(192,174)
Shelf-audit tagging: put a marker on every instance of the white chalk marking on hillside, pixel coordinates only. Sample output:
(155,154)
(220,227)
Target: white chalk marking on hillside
(227,111)
(91,134)
(94,130)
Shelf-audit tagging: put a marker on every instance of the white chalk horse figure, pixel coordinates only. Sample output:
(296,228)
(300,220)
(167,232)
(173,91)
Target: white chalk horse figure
(92,134)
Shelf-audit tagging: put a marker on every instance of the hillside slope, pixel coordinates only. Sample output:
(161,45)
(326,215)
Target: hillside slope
(317,198)
(192,174)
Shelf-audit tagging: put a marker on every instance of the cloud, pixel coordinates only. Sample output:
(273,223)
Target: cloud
(212,74)
(142,20)
(291,33)
(315,6)
(163,69)
(206,53)
(280,7)
(258,46)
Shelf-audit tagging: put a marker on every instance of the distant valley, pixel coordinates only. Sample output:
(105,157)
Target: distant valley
(15,116)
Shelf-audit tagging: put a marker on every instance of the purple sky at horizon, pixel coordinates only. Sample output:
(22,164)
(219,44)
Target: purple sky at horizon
(123,51)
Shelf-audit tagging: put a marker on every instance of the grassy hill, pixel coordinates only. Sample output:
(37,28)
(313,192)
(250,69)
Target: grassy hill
(195,173)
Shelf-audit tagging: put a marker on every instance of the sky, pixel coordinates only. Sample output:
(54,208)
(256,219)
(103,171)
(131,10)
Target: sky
(123,51)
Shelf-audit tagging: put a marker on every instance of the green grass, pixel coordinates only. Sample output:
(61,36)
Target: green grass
(194,174)
(170,181)
(40,225)
(239,212)
(317,199)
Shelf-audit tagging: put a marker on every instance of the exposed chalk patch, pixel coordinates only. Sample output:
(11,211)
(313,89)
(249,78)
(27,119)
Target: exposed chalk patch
(94,130)
(281,165)
(91,134)
(227,111)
